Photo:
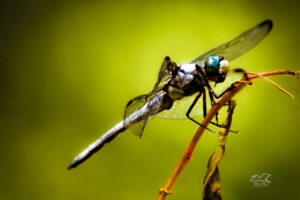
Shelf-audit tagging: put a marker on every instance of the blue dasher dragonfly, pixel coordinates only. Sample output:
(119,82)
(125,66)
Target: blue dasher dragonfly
(176,82)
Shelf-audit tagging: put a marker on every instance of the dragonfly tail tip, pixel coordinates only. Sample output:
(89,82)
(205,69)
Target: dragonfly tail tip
(72,165)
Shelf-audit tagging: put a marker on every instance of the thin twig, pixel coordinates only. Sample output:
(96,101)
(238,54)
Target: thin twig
(166,190)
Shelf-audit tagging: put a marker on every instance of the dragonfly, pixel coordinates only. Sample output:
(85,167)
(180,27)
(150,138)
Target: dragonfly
(176,82)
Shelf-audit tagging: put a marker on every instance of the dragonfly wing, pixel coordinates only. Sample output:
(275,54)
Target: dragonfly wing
(138,128)
(230,50)
(132,106)
(165,73)
(239,45)
(180,107)
(143,107)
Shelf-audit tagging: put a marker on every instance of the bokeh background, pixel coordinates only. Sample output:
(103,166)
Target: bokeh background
(68,69)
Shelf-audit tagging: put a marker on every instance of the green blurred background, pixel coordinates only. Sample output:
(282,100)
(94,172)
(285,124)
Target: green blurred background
(69,67)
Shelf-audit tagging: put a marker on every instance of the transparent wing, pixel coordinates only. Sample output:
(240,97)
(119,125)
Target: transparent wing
(239,45)
(138,128)
(180,107)
(142,108)
(132,106)
(230,50)
(138,102)
(165,73)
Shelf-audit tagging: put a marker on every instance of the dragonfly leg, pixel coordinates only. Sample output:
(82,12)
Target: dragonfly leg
(212,99)
(211,96)
(220,95)
(205,112)
(204,108)
(240,70)
(217,119)
(220,126)
(204,104)
(228,89)
(191,108)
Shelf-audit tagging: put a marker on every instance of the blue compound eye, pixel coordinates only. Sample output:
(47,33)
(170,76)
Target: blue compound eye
(212,64)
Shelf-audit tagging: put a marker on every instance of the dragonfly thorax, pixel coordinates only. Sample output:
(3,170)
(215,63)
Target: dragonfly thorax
(186,73)
(185,82)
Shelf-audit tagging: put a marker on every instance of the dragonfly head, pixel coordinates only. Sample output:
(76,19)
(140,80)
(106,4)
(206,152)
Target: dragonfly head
(216,68)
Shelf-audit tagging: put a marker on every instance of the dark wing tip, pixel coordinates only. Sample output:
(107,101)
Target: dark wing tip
(167,58)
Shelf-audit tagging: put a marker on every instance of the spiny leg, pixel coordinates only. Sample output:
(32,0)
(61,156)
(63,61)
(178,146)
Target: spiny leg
(204,109)
(212,94)
(191,108)
(217,118)
(204,103)
(212,99)
(212,103)
(228,103)
(220,126)
(228,89)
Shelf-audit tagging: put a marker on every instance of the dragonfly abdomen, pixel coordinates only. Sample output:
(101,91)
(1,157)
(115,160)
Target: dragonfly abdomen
(153,106)
(98,144)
